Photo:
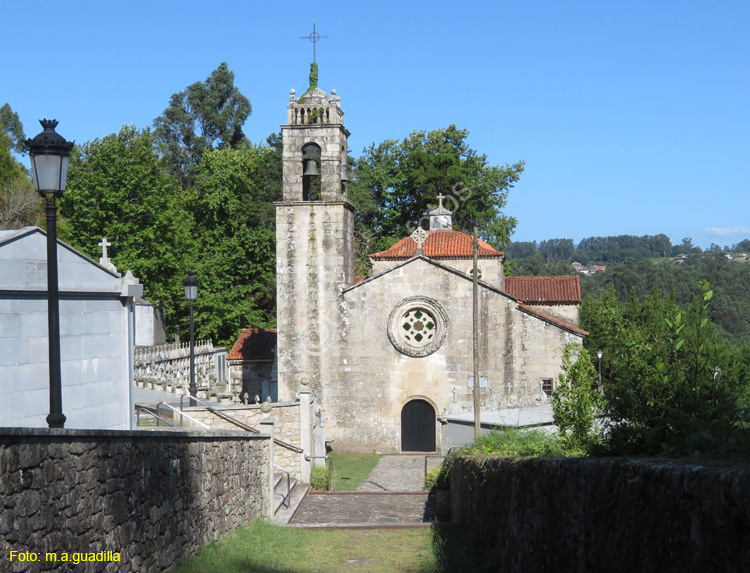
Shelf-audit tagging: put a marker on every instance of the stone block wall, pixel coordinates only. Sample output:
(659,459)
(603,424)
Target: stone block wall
(604,515)
(154,497)
(286,417)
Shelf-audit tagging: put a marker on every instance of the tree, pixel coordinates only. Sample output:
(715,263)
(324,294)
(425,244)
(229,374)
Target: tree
(576,400)
(662,395)
(119,188)
(397,182)
(20,205)
(12,126)
(232,208)
(206,115)
(10,169)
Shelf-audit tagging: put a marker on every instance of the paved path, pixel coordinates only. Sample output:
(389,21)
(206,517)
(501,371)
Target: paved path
(391,496)
(396,473)
(354,509)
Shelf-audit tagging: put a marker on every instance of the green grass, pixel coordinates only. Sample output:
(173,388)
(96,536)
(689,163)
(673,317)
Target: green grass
(349,470)
(265,547)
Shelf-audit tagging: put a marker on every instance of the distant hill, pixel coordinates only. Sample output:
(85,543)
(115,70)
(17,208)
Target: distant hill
(638,265)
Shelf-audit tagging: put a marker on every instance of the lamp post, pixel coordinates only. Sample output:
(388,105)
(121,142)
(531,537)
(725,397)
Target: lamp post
(601,388)
(190,285)
(50,154)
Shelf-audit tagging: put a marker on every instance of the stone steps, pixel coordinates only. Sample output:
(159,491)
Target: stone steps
(283,510)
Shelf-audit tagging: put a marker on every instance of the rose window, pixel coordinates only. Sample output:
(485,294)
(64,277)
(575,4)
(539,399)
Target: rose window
(418,326)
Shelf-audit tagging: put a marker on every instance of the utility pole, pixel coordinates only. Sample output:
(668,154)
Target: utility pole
(475,338)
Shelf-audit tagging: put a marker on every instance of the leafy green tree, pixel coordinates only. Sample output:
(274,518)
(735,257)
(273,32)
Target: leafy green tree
(397,182)
(10,169)
(232,207)
(12,126)
(119,188)
(662,394)
(206,115)
(576,400)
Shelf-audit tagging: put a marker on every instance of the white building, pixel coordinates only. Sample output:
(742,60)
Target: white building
(97,335)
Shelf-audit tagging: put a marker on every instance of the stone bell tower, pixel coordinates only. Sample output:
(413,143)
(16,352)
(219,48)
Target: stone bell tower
(314,240)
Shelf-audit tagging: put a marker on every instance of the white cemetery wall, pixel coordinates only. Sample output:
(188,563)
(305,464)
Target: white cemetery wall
(94,363)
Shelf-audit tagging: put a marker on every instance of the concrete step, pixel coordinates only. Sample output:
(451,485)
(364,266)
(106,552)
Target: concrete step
(284,515)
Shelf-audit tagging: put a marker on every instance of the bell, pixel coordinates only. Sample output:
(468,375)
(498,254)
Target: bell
(311,168)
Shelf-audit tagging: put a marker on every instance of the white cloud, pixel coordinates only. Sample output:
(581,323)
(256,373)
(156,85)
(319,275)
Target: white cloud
(719,232)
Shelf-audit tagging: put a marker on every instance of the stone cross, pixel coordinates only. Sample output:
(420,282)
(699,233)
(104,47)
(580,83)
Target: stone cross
(419,236)
(104,260)
(440,200)
(104,244)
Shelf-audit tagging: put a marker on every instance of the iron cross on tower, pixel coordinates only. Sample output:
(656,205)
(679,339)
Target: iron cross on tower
(314,38)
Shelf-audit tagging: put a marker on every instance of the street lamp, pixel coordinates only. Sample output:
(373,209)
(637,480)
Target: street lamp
(601,388)
(191,293)
(50,154)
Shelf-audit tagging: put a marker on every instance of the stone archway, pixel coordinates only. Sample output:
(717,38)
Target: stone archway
(418,427)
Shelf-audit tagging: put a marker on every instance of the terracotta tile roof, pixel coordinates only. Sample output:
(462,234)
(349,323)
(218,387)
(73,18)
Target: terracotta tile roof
(552,320)
(254,344)
(545,290)
(440,244)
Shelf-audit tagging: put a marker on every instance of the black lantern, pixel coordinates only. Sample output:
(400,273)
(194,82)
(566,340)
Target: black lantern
(190,284)
(50,154)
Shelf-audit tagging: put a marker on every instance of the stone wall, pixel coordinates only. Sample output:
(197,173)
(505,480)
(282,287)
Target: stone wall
(604,515)
(153,497)
(286,417)
(248,376)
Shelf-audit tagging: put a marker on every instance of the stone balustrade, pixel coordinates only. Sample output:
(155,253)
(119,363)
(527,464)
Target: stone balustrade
(166,367)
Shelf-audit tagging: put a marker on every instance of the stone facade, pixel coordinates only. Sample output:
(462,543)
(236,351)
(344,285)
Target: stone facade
(584,515)
(393,351)
(154,497)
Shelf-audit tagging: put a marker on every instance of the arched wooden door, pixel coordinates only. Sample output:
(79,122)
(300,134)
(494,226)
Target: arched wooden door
(418,427)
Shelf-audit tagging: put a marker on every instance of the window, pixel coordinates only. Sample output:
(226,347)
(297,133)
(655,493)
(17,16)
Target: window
(547,386)
(417,326)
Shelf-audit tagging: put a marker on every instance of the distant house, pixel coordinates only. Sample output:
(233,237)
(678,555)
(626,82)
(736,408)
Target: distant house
(251,363)
(97,335)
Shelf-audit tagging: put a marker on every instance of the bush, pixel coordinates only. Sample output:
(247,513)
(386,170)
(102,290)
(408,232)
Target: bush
(318,478)
(512,442)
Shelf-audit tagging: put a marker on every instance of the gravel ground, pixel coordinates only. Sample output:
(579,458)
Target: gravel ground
(396,473)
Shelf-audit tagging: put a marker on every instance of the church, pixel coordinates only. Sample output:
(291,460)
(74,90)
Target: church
(389,355)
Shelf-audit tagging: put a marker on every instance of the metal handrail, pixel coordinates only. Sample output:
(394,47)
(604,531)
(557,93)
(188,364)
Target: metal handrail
(285,499)
(242,425)
(181,414)
(219,413)
(329,464)
(140,409)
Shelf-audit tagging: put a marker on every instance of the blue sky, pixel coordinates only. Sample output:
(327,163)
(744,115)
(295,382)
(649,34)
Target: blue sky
(632,116)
